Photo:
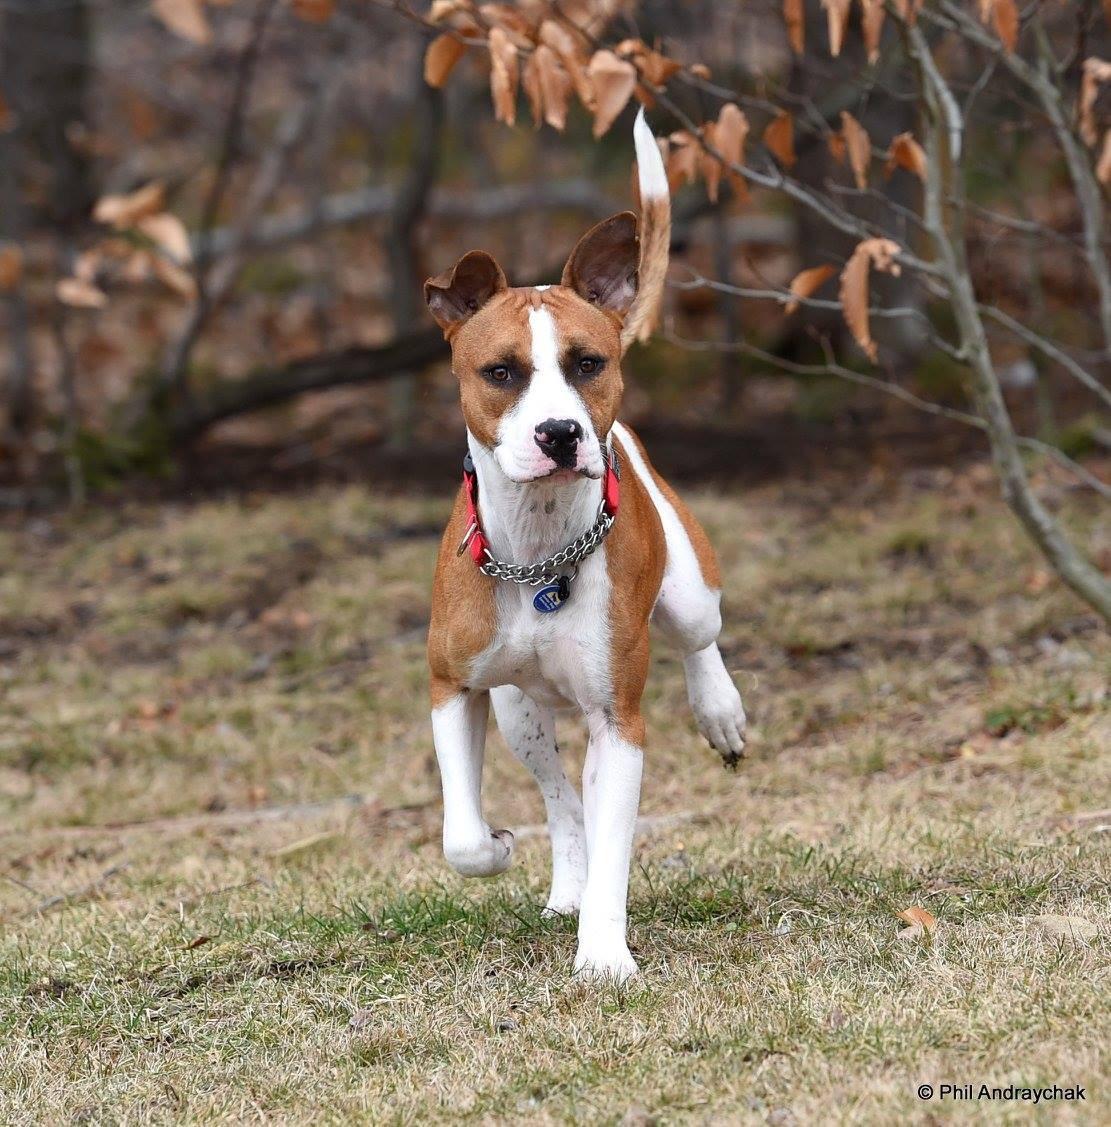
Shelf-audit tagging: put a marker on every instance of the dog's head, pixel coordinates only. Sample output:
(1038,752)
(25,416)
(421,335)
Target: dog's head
(539,369)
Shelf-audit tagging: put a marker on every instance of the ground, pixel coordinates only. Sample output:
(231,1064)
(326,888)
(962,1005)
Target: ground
(222,892)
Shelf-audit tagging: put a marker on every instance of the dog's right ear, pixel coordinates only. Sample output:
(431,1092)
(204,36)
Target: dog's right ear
(462,291)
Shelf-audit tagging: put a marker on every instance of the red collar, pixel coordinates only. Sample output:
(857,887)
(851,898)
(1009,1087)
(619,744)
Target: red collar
(475,538)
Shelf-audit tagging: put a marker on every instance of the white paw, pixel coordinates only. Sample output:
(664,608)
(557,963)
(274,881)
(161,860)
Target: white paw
(560,906)
(720,716)
(605,963)
(482,857)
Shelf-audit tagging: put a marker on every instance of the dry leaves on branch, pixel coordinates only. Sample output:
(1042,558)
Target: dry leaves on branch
(574,55)
(443,10)
(1004,17)
(440,58)
(80,294)
(837,14)
(878,253)
(548,86)
(314,11)
(779,136)
(859,147)
(504,76)
(652,65)
(907,10)
(1096,72)
(805,283)
(11,267)
(682,159)
(906,153)
(613,80)
(168,233)
(125,211)
(185,18)
(872,16)
(794,15)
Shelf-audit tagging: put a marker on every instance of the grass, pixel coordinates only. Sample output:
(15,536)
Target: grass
(220,881)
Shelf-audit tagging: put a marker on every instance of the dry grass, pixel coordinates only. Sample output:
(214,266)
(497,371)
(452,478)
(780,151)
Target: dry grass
(931,727)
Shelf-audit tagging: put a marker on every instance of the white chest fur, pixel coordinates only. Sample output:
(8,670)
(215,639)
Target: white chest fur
(561,659)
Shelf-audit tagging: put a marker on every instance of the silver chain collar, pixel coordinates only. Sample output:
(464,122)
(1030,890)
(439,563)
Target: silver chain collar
(548,571)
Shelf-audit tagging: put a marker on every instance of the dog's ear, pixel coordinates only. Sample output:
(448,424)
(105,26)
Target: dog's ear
(462,291)
(603,266)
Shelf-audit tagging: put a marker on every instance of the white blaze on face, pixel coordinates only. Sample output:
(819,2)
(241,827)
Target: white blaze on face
(548,396)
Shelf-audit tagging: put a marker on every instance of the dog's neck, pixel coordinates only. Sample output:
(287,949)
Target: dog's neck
(527,523)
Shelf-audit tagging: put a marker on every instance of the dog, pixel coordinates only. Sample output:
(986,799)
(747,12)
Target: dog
(564,543)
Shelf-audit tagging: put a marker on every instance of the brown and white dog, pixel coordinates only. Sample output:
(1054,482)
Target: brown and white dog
(539,372)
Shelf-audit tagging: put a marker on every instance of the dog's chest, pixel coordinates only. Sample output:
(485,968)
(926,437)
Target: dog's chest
(561,658)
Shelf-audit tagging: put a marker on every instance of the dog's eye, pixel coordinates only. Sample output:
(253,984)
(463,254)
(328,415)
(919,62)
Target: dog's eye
(588,365)
(499,373)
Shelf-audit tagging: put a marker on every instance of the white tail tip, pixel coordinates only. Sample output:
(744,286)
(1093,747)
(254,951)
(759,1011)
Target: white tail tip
(650,166)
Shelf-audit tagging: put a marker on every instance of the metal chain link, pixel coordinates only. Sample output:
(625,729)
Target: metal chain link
(546,571)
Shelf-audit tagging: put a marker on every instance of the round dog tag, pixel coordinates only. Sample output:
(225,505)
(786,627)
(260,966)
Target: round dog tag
(549,599)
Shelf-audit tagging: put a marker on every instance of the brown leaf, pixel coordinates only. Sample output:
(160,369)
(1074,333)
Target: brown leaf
(805,282)
(918,916)
(1103,167)
(1005,17)
(503,76)
(859,147)
(126,211)
(521,33)
(701,70)
(1096,72)
(442,10)
(682,159)
(730,136)
(613,80)
(836,144)
(170,274)
(199,941)
(907,10)
(553,84)
(837,15)
(314,11)
(779,136)
(441,56)
(168,232)
(185,18)
(794,15)
(872,16)
(906,153)
(854,287)
(80,294)
(574,54)
(710,165)
(11,267)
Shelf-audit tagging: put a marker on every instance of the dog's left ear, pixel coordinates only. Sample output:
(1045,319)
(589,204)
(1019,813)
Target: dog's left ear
(603,266)
(462,291)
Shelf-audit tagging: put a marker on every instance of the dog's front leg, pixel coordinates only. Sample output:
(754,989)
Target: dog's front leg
(459,731)
(611,793)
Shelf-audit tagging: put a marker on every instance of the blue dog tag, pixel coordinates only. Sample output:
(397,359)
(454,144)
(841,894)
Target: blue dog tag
(549,599)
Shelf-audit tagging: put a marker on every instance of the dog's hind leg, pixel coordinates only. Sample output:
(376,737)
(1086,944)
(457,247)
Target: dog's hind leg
(529,730)
(688,610)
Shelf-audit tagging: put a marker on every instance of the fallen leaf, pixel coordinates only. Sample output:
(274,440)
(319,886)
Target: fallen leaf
(859,147)
(1066,927)
(80,294)
(613,80)
(805,282)
(126,210)
(503,76)
(837,15)
(185,18)
(794,15)
(906,153)
(920,916)
(441,56)
(199,941)
(779,136)
(11,267)
(878,253)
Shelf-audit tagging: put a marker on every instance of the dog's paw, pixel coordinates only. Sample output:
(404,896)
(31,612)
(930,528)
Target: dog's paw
(605,963)
(483,857)
(720,717)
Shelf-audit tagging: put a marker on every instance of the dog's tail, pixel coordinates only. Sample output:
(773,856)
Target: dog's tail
(654,235)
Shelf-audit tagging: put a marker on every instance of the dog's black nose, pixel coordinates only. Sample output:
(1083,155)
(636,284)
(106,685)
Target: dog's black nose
(558,439)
